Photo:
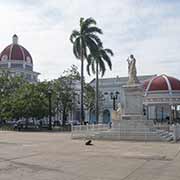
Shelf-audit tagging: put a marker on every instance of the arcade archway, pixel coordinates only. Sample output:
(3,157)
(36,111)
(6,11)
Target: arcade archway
(106,116)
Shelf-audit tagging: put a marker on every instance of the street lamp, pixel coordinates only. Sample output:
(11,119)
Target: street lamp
(50,111)
(114,97)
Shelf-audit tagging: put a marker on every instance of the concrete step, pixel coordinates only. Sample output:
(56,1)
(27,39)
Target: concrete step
(165,135)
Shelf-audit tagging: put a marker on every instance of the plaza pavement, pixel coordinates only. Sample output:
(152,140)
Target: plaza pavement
(54,156)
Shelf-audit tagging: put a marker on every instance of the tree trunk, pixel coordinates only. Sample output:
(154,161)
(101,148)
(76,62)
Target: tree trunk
(82,88)
(26,123)
(97,94)
(64,117)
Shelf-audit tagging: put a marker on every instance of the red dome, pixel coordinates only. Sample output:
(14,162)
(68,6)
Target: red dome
(15,52)
(162,83)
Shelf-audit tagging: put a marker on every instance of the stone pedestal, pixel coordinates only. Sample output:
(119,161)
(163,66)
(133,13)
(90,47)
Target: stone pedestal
(132,102)
(116,117)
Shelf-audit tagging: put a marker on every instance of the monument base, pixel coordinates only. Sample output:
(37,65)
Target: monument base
(116,117)
(132,117)
(132,102)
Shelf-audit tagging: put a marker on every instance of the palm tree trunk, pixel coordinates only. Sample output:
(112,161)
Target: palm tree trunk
(82,88)
(97,94)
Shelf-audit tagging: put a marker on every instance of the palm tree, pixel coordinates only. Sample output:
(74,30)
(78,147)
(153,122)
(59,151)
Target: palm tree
(85,41)
(97,64)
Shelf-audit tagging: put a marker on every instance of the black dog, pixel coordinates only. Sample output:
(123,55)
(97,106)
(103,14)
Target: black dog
(88,143)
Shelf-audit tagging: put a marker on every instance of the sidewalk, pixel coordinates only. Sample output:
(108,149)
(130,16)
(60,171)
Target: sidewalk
(47,156)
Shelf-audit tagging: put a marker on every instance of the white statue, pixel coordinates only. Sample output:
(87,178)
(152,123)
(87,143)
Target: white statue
(116,115)
(119,108)
(132,70)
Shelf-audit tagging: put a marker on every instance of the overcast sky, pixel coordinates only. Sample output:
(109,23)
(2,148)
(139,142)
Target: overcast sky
(149,29)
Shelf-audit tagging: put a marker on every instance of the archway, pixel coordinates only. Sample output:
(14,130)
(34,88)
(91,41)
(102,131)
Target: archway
(92,117)
(106,116)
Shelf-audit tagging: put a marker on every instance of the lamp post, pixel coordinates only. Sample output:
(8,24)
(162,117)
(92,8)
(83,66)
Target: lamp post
(50,108)
(114,97)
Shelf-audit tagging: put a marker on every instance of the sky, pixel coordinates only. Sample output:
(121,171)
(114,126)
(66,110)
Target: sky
(150,30)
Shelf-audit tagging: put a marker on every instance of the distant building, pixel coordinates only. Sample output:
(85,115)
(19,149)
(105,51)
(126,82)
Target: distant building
(161,97)
(110,88)
(161,93)
(16,60)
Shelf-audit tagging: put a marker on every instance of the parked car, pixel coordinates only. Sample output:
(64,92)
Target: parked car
(74,122)
(22,124)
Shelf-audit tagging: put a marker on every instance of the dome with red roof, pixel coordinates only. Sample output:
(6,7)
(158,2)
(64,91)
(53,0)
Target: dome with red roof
(15,51)
(162,83)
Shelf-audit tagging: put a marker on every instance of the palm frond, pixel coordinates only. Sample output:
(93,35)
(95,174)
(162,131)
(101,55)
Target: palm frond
(90,61)
(108,61)
(96,39)
(74,35)
(93,67)
(93,47)
(76,48)
(86,23)
(102,67)
(81,21)
(94,29)
(106,58)
(87,68)
(84,47)
(109,51)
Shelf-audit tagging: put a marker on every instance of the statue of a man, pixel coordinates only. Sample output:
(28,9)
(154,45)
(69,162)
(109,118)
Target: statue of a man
(132,70)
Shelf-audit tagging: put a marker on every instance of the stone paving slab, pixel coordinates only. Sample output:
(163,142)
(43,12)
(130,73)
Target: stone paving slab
(45,156)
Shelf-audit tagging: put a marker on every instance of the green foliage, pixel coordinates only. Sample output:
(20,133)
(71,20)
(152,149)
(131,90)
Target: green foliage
(102,57)
(30,101)
(64,92)
(86,38)
(89,97)
(8,86)
(72,73)
(85,41)
(21,99)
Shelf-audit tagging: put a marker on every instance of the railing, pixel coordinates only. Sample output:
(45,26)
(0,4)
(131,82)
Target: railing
(126,130)
(163,126)
(176,132)
(87,131)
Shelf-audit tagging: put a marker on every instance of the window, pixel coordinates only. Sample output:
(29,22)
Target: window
(4,65)
(18,66)
(28,59)
(4,57)
(28,67)
(35,78)
(28,76)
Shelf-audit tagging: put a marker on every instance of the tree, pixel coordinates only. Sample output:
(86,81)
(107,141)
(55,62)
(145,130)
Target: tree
(64,92)
(89,97)
(8,87)
(30,101)
(97,64)
(83,41)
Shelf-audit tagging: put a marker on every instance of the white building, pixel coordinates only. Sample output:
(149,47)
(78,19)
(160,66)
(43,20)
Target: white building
(18,61)
(161,97)
(111,89)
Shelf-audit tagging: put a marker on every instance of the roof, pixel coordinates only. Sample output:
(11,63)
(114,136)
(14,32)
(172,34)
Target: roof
(162,83)
(15,51)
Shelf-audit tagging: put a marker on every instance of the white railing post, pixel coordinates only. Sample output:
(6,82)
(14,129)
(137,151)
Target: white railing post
(71,130)
(86,130)
(145,134)
(176,132)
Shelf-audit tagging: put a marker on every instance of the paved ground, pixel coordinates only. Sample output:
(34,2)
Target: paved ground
(51,156)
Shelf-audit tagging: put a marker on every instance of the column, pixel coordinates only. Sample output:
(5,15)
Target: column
(170,114)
